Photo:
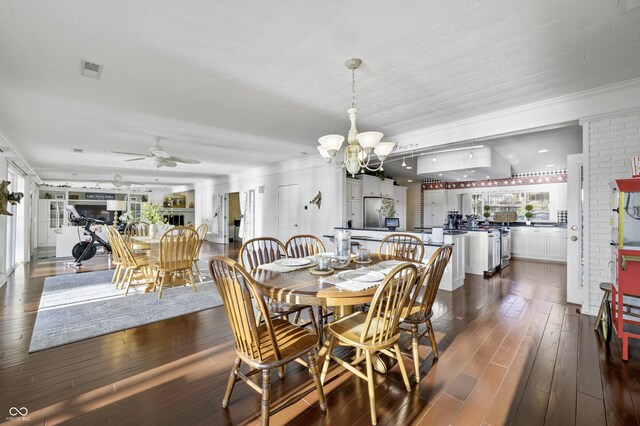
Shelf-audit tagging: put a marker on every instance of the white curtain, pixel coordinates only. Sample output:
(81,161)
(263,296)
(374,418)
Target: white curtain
(243,210)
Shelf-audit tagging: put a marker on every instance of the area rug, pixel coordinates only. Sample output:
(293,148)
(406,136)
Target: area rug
(80,306)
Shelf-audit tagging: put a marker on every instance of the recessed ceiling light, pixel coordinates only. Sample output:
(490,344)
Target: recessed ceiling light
(542,151)
(551,165)
(409,167)
(409,180)
(473,171)
(488,177)
(458,178)
(439,174)
(465,176)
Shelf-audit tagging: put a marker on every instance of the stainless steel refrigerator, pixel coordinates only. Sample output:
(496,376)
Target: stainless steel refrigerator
(372,219)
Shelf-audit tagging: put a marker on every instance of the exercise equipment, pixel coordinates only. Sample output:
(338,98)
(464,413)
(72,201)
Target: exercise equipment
(85,250)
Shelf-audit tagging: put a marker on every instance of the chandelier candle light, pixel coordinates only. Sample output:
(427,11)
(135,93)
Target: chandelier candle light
(357,154)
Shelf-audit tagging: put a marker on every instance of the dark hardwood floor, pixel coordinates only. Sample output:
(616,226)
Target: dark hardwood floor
(512,351)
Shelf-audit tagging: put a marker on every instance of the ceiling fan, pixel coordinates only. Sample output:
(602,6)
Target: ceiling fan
(118,181)
(158,156)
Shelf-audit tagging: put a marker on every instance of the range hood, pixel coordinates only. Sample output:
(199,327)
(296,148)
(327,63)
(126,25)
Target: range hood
(454,166)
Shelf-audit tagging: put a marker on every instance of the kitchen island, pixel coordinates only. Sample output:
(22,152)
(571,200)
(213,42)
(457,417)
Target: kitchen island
(453,277)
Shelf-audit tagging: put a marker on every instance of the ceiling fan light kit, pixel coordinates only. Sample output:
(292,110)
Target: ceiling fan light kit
(361,146)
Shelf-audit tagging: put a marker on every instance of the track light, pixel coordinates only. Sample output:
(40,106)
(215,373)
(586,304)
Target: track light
(434,157)
(404,164)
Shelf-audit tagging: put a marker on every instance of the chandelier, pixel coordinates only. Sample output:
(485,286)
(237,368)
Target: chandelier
(358,153)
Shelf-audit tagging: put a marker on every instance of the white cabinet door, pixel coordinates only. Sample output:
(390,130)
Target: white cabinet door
(400,194)
(537,244)
(354,189)
(518,242)
(370,186)
(354,213)
(401,213)
(557,247)
(386,187)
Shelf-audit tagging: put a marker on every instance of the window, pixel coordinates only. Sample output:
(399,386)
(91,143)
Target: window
(540,203)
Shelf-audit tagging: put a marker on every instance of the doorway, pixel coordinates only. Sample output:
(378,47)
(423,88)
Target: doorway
(219,225)
(575,228)
(235,216)
(288,211)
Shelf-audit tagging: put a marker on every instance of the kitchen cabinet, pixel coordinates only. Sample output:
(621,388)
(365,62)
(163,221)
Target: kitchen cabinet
(354,189)
(354,213)
(477,252)
(434,208)
(370,186)
(400,194)
(386,188)
(539,243)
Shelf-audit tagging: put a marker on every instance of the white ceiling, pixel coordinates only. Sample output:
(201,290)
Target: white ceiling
(244,83)
(521,151)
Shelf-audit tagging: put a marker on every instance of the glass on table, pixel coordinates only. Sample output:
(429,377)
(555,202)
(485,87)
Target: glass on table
(323,263)
(363,254)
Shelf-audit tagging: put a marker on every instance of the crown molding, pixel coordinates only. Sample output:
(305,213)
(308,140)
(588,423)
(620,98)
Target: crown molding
(567,109)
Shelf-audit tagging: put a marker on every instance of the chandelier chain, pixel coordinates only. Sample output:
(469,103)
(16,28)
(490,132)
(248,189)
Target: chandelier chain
(353,88)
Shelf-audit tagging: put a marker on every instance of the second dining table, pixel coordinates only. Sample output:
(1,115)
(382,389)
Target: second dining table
(302,287)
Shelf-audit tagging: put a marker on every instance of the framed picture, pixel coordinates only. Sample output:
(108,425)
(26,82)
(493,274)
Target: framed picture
(59,196)
(74,197)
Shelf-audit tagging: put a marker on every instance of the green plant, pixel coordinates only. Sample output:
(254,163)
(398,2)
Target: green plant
(380,175)
(487,211)
(528,213)
(388,207)
(152,213)
(126,217)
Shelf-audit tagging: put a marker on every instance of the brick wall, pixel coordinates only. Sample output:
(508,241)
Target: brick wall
(612,140)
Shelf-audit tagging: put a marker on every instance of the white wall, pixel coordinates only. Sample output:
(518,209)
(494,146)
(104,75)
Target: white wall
(311,174)
(3,224)
(609,142)
(413,205)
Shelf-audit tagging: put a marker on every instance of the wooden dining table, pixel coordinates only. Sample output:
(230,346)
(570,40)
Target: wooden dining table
(302,287)
(152,246)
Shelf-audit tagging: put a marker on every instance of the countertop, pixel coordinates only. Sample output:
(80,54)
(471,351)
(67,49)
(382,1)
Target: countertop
(377,240)
(414,231)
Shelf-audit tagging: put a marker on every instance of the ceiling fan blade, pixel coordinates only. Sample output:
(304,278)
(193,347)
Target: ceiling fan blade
(168,163)
(136,159)
(183,160)
(131,153)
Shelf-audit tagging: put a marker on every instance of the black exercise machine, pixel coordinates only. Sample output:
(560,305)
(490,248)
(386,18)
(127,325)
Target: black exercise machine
(85,250)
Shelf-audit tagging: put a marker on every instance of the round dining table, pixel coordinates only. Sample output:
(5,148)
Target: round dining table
(303,288)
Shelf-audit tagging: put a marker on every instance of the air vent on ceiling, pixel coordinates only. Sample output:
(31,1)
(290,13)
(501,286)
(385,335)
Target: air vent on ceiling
(90,69)
(79,150)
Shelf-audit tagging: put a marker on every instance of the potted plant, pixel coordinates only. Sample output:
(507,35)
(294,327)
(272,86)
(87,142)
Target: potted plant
(387,209)
(152,213)
(487,214)
(527,214)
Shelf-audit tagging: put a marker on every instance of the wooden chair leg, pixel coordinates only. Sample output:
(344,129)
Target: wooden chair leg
(416,351)
(197,269)
(127,277)
(432,338)
(327,358)
(163,276)
(281,372)
(266,396)
(313,368)
(403,370)
(231,382)
(193,281)
(371,386)
(314,325)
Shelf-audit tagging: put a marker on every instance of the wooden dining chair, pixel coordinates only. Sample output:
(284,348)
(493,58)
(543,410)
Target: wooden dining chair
(303,245)
(116,256)
(375,330)
(202,234)
(262,250)
(263,346)
(405,246)
(175,261)
(136,229)
(135,267)
(419,310)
